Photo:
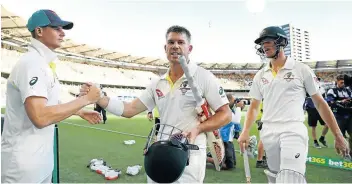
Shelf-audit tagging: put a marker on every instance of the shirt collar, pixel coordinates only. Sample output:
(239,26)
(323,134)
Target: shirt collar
(289,64)
(192,69)
(43,50)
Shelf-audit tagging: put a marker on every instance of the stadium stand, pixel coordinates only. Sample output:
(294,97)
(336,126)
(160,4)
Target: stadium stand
(124,75)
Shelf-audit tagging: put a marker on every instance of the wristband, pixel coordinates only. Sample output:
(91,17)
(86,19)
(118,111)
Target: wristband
(115,106)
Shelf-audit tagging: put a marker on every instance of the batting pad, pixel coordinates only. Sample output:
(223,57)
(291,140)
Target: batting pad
(290,176)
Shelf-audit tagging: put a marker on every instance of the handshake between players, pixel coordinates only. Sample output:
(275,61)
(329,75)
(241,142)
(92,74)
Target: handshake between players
(91,91)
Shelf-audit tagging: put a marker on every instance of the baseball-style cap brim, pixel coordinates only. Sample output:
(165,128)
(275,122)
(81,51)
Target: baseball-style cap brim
(64,24)
(43,18)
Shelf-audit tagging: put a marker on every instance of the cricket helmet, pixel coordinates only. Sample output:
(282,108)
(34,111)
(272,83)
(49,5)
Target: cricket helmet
(166,156)
(272,33)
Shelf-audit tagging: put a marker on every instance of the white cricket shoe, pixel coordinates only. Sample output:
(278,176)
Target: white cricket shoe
(112,174)
(102,169)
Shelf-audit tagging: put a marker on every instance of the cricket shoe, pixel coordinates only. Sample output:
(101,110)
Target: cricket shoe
(102,169)
(323,142)
(96,168)
(261,164)
(112,174)
(96,161)
(316,145)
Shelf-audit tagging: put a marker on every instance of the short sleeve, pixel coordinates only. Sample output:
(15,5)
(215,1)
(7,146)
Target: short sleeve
(255,91)
(236,118)
(147,97)
(33,81)
(214,93)
(310,81)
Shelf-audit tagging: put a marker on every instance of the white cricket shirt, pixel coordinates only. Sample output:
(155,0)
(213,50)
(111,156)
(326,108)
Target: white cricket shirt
(284,95)
(26,151)
(176,104)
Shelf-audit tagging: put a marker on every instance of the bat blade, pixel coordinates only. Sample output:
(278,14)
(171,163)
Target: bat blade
(197,95)
(214,141)
(246,166)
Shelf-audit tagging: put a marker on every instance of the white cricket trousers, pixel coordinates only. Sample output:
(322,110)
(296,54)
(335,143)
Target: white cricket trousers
(195,171)
(285,145)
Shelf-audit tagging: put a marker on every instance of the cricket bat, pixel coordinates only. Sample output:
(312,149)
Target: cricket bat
(246,165)
(214,141)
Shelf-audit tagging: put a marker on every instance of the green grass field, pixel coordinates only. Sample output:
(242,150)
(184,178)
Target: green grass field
(78,145)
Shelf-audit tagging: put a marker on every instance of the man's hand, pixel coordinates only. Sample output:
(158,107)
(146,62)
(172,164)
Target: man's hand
(341,146)
(203,112)
(91,91)
(240,104)
(192,134)
(243,140)
(92,117)
(84,89)
(150,116)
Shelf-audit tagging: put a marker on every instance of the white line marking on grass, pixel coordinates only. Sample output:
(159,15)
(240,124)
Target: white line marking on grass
(102,129)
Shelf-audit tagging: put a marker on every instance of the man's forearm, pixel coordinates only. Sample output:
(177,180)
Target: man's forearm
(219,119)
(103,102)
(57,113)
(250,118)
(120,108)
(78,112)
(328,117)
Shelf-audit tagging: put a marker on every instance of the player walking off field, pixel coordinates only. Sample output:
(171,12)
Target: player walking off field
(283,83)
(176,104)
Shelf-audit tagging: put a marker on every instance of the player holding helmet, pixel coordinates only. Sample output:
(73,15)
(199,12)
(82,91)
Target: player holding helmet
(283,83)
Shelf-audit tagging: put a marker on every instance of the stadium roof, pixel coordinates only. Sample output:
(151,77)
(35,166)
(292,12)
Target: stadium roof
(13,29)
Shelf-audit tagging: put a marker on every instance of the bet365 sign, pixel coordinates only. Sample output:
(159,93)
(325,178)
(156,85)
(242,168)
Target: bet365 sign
(330,162)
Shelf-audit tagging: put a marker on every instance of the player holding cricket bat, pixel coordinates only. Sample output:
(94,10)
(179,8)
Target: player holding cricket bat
(176,103)
(283,83)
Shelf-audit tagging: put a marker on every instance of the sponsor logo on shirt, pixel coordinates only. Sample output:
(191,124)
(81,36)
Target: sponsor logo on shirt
(33,81)
(222,92)
(159,94)
(264,80)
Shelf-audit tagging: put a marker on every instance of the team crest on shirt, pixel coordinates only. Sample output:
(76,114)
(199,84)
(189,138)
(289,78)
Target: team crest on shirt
(184,87)
(159,94)
(289,76)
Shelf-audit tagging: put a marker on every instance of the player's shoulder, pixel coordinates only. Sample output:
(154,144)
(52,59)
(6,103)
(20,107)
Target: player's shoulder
(201,69)
(301,66)
(31,59)
(203,73)
(260,73)
(154,81)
